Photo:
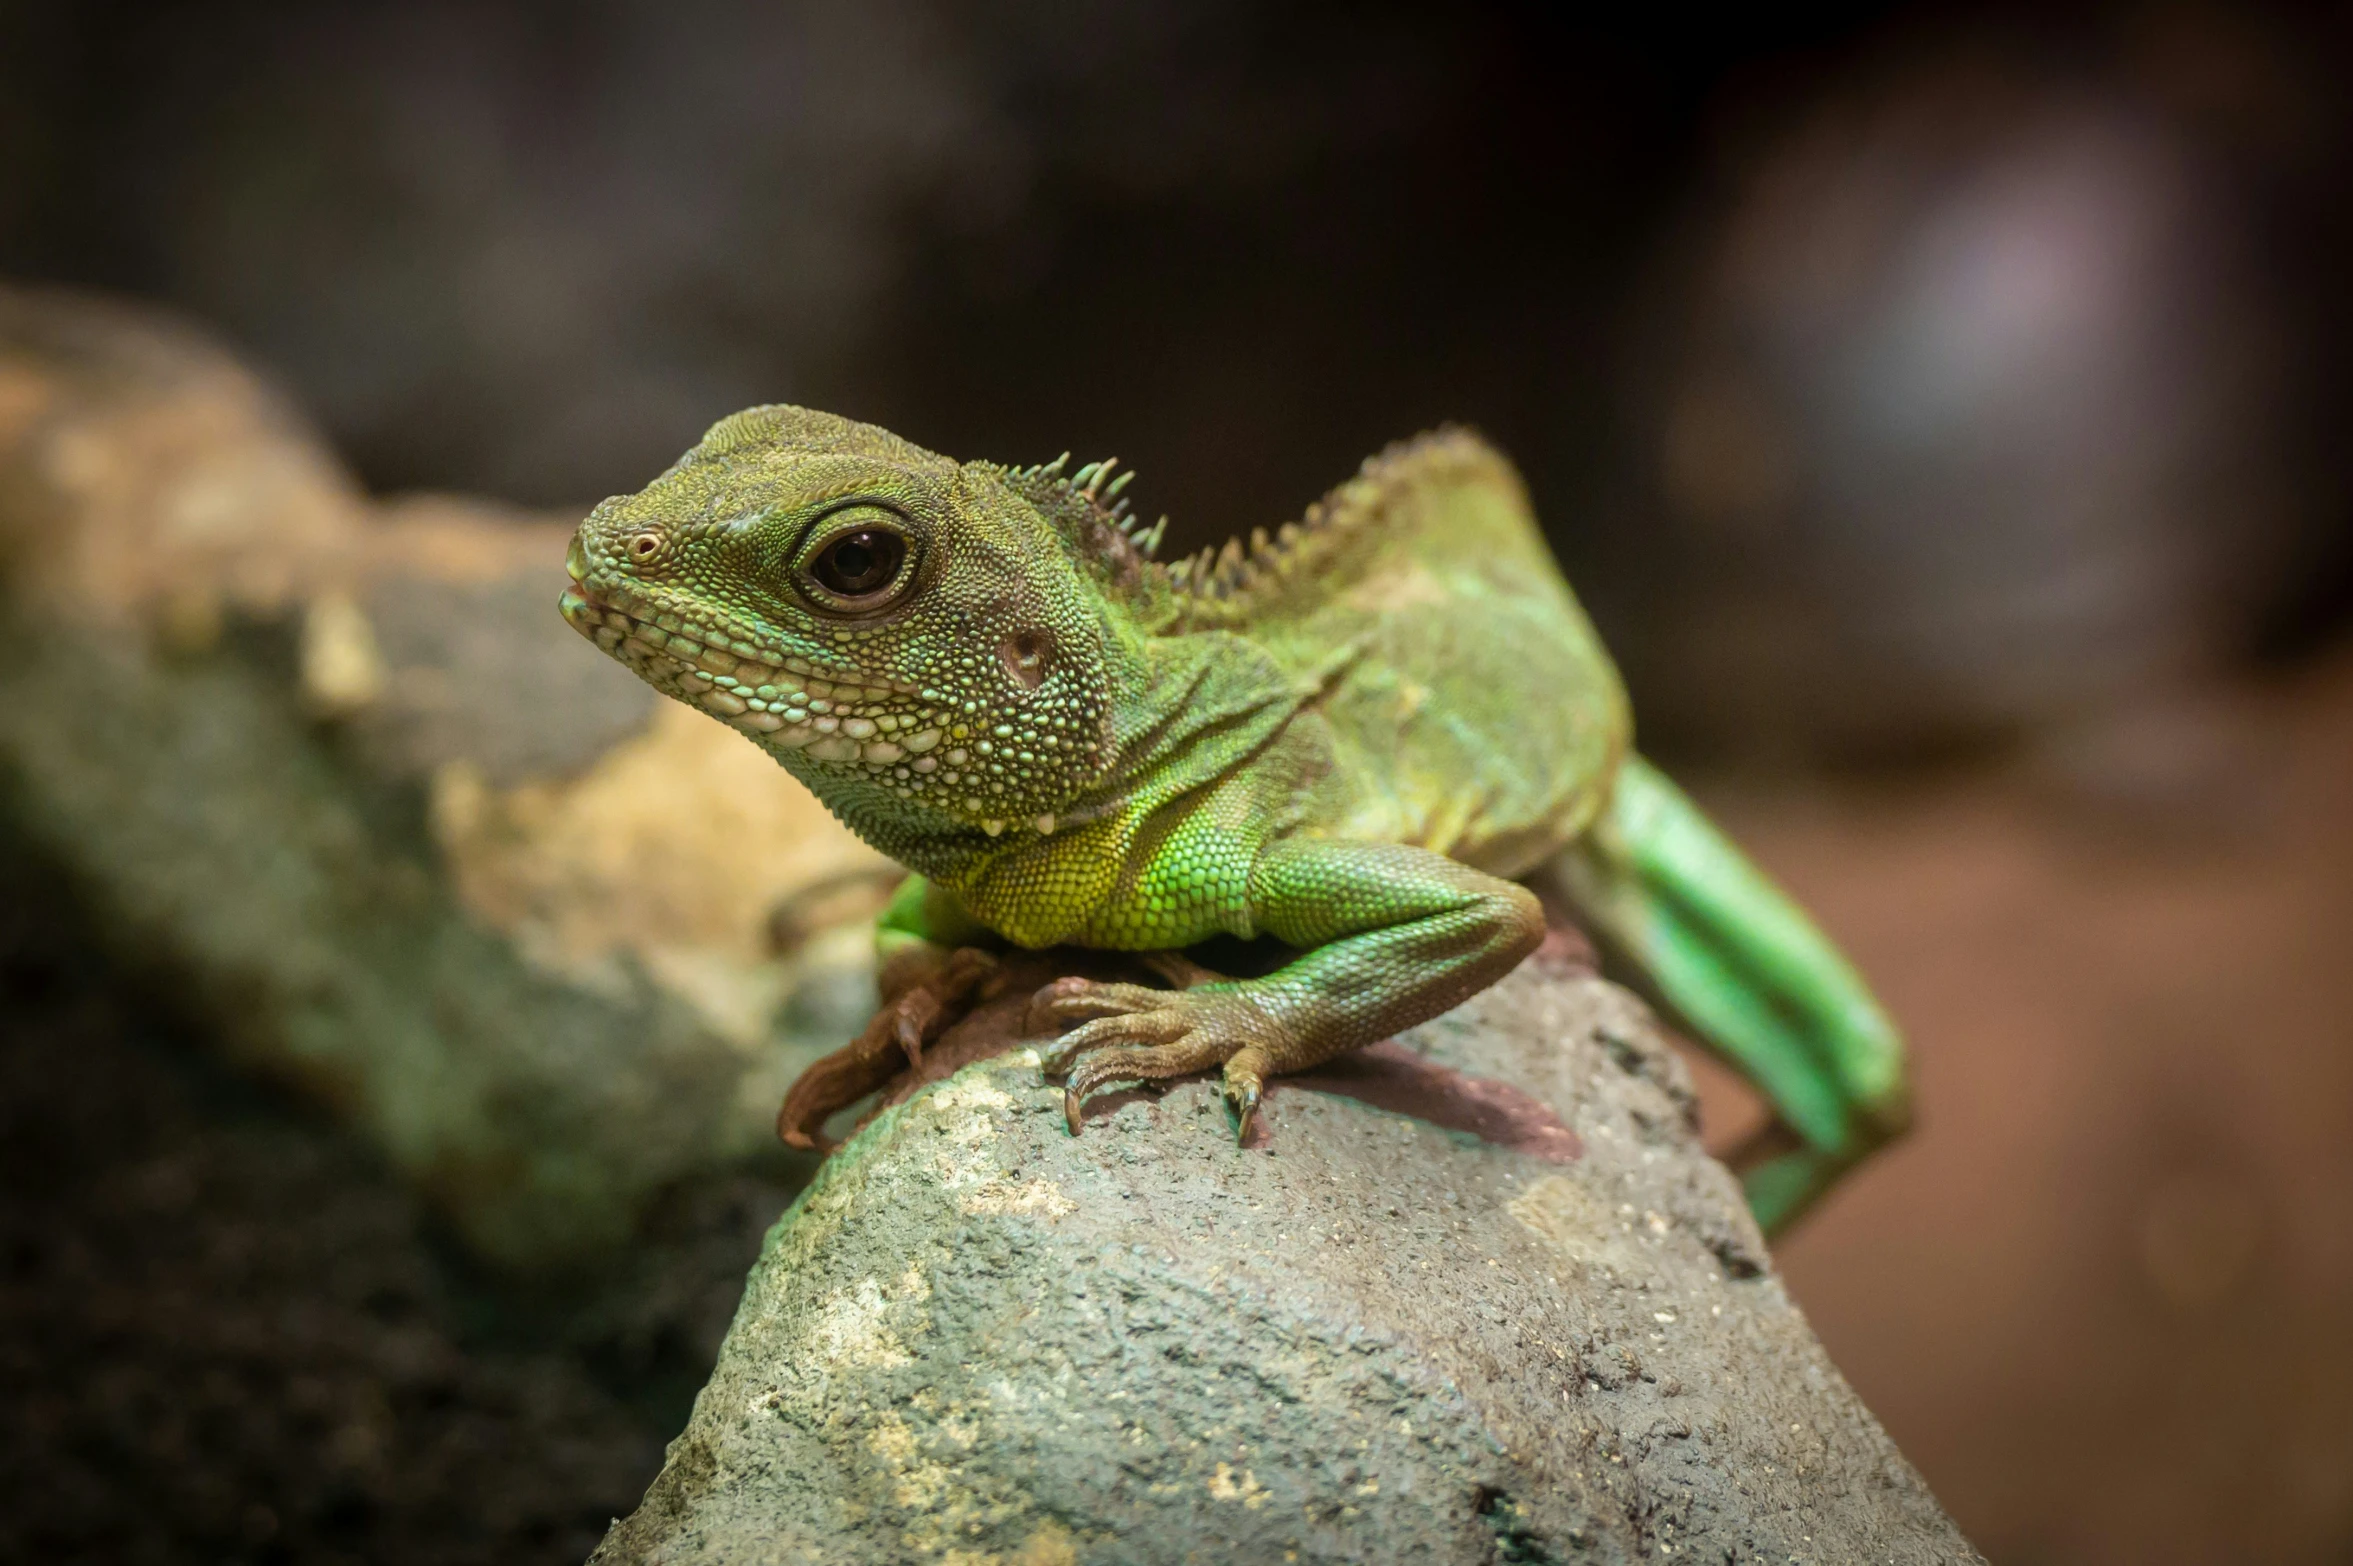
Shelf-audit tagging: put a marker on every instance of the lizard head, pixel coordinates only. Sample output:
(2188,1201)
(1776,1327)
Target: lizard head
(923,642)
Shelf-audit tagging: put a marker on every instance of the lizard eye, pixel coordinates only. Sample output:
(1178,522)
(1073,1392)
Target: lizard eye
(857,560)
(859,563)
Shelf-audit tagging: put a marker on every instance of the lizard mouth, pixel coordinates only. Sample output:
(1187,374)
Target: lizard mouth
(785,702)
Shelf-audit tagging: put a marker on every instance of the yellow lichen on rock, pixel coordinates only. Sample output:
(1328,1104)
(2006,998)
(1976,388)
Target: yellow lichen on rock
(1025,1198)
(342,669)
(1228,1484)
(850,1328)
(674,849)
(970,1108)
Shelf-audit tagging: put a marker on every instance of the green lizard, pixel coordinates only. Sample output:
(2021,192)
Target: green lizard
(1349,738)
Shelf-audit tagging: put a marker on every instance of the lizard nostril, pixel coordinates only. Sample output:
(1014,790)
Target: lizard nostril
(1025,655)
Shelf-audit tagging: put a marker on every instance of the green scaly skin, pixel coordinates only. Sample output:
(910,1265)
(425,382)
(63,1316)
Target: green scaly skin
(1352,738)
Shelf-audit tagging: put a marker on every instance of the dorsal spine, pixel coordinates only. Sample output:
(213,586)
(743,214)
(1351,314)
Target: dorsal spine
(1224,585)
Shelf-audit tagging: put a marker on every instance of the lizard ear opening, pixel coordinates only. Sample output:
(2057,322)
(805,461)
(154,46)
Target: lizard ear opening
(1026,656)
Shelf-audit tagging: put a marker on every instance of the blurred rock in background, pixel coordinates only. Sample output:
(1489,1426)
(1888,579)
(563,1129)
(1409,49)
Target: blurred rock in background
(337,776)
(1977,408)
(228,1332)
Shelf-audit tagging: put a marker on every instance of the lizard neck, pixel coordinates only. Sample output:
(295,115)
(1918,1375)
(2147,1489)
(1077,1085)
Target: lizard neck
(1186,711)
(1197,707)
(1009,781)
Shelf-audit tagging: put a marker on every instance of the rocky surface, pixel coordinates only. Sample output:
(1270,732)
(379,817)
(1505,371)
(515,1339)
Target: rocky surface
(1473,1296)
(337,778)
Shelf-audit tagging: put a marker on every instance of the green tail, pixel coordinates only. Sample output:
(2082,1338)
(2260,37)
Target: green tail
(1741,965)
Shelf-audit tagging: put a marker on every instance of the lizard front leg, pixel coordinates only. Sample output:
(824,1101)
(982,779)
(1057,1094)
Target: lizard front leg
(1389,937)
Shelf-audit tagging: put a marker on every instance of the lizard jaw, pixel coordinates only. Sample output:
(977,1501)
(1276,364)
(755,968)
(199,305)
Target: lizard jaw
(785,703)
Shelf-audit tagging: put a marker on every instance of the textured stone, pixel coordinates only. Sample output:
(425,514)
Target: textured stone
(1474,1296)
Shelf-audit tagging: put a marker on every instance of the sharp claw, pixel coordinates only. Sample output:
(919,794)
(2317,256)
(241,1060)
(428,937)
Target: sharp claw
(1245,1100)
(792,1133)
(1070,1108)
(910,1034)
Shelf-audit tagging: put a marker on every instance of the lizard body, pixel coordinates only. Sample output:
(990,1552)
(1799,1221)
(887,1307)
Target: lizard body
(1349,738)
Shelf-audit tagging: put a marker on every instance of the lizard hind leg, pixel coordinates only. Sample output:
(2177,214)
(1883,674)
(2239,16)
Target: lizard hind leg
(1746,969)
(920,1007)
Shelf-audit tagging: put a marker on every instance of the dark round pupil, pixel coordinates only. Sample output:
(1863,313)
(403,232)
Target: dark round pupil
(859,563)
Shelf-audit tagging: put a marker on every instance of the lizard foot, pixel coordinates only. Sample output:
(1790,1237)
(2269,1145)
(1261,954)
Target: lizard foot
(1130,1032)
(910,1019)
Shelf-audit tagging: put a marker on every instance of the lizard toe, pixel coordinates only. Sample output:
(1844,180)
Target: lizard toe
(1142,1027)
(1182,1031)
(1136,1063)
(1066,1001)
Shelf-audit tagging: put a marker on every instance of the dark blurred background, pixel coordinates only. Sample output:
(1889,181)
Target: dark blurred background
(1940,407)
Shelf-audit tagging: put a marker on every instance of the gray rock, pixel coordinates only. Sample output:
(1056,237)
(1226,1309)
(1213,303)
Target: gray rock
(1423,1318)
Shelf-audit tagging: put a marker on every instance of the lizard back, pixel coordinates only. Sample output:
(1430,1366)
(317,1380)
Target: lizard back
(1471,707)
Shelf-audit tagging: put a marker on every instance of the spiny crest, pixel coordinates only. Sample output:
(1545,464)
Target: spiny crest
(1228,584)
(1090,511)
